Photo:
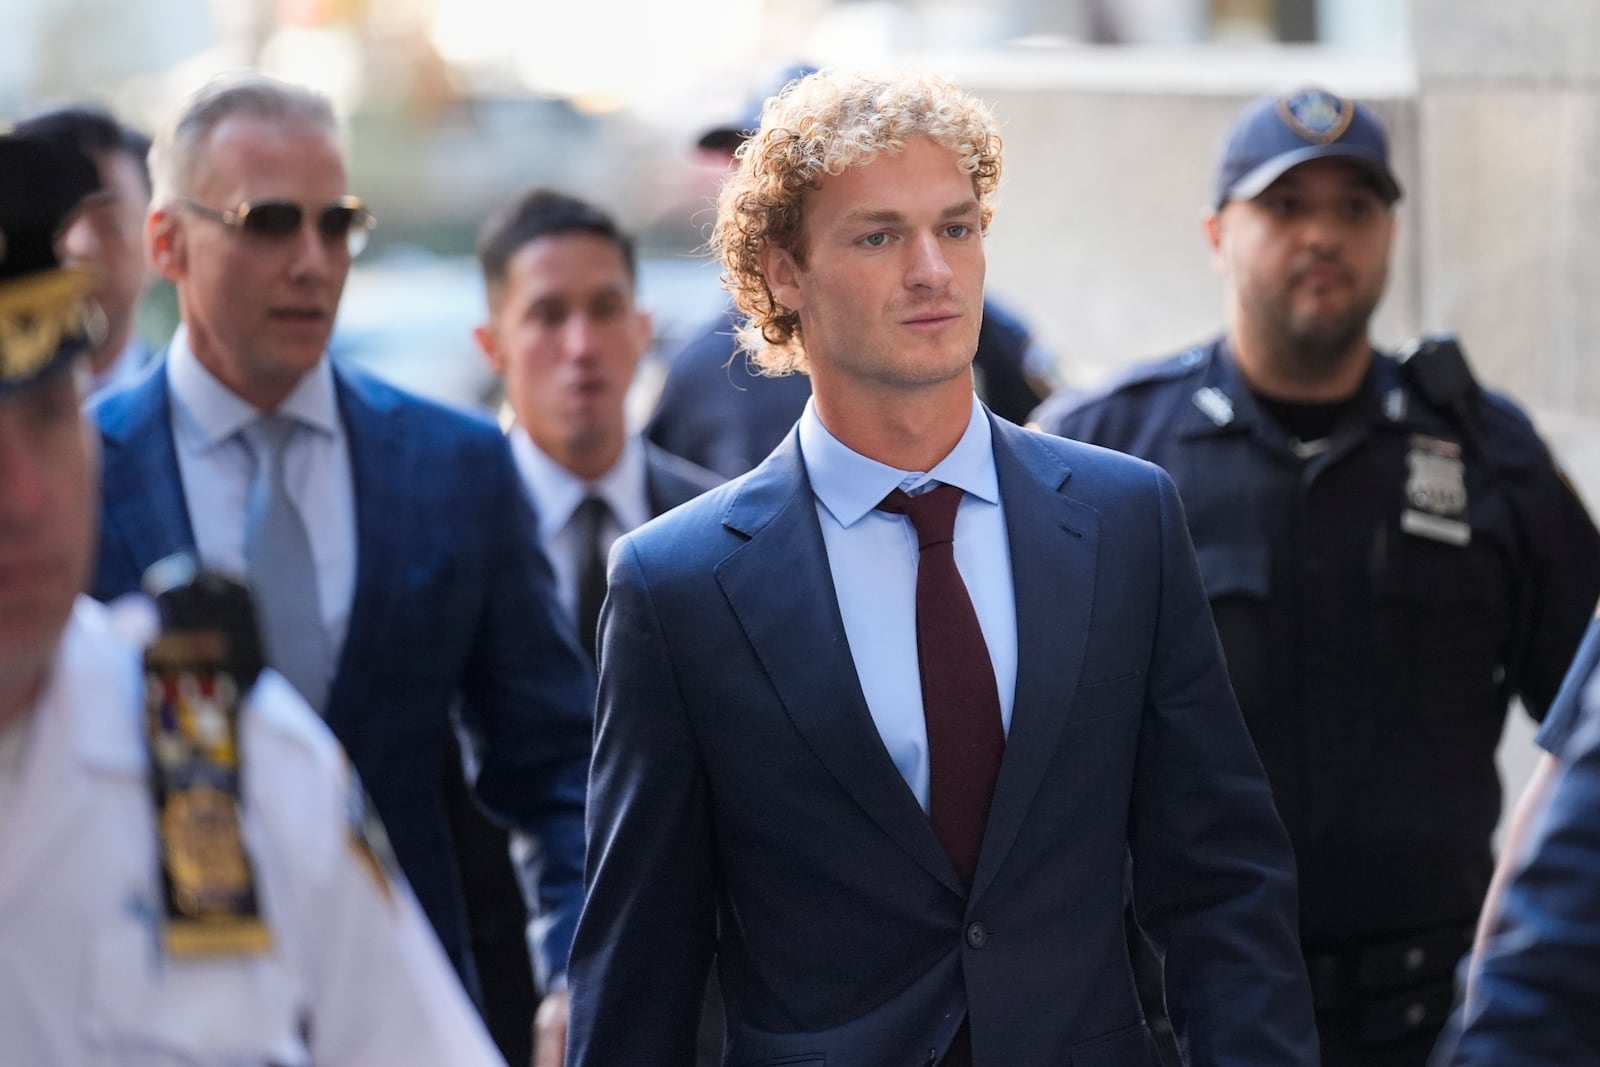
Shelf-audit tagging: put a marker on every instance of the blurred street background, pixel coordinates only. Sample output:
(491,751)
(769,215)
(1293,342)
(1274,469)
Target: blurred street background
(1113,110)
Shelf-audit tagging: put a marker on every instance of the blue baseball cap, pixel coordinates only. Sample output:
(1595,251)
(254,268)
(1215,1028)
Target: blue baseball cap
(733,132)
(1276,134)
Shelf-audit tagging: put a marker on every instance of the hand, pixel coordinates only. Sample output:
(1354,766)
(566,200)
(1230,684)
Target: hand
(550,1029)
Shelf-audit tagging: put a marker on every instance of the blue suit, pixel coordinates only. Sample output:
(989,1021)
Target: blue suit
(742,803)
(1566,710)
(1536,997)
(452,600)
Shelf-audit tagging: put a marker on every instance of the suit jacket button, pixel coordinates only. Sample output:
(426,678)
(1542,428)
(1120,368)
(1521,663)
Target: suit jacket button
(977,936)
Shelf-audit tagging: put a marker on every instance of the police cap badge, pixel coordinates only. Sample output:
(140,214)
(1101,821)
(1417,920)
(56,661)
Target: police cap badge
(1275,134)
(43,325)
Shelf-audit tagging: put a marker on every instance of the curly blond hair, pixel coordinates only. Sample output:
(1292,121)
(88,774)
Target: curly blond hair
(824,124)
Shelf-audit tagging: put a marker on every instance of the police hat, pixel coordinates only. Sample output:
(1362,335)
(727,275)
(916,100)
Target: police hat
(43,324)
(729,135)
(1277,133)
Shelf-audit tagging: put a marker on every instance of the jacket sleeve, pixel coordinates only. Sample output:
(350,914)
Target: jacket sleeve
(1534,998)
(1213,874)
(648,931)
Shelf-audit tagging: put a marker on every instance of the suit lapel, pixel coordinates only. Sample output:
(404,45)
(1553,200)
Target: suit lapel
(780,588)
(377,449)
(143,491)
(1054,542)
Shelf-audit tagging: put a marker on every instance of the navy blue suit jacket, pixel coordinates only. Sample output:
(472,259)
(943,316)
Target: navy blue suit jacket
(1536,991)
(742,802)
(452,600)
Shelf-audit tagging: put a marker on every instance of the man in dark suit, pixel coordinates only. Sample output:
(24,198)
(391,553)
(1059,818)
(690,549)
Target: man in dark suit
(893,766)
(565,335)
(391,550)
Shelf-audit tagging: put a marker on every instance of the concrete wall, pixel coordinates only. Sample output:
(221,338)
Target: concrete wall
(1509,125)
(1110,156)
(1509,118)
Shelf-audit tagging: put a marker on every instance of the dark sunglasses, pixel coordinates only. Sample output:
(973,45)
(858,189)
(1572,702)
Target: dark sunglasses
(343,220)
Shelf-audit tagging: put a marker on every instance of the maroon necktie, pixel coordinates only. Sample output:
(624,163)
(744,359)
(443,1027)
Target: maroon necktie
(960,700)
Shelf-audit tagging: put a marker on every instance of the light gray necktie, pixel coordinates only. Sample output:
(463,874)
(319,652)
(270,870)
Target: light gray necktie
(283,572)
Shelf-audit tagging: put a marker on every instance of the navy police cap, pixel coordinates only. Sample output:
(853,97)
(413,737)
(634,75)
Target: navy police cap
(43,320)
(730,134)
(1277,133)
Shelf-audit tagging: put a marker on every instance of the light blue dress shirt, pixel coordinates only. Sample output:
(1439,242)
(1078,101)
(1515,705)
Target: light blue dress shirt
(215,466)
(873,556)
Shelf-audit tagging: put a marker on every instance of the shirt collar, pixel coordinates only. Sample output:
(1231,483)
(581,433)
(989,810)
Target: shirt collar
(97,664)
(125,368)
(212,413)
(851,485)
(557,492)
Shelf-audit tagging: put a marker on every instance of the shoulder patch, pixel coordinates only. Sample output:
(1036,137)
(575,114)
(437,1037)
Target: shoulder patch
(1163,370)
(1189,362)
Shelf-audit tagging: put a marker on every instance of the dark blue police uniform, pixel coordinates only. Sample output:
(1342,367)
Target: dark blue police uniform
(1381,594)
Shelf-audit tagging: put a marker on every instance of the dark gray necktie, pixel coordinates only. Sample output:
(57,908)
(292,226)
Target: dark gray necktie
(283,571)
(590,519)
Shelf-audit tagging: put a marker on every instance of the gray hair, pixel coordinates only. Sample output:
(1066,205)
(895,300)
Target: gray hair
(180,147)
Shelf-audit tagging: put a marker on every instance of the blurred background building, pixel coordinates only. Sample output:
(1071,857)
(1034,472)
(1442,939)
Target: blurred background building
(1113,111)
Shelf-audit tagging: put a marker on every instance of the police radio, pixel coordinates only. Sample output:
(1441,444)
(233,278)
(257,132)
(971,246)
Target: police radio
(1435,365)
(1437,368)
(197,672)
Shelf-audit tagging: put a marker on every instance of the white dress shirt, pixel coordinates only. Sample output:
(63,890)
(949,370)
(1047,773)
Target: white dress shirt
(216,467)
(556,493)
(13,752)
(873,556)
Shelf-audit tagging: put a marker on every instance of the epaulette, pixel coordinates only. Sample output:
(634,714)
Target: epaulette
(1174,368)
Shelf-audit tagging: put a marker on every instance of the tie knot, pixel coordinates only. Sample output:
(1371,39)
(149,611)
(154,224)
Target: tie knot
(592,512)
(268,435)
(933,513)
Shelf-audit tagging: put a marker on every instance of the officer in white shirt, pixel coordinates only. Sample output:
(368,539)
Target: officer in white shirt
(326,958)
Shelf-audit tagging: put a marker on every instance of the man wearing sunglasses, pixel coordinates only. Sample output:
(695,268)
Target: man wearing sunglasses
(393,557)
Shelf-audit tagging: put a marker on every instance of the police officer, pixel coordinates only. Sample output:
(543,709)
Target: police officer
(1390,554)
(159,902)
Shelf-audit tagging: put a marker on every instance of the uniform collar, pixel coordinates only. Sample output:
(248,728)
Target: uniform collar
(92,694)
(1222,403)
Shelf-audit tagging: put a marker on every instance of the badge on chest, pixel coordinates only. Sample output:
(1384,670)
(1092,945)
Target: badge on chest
(196,673)
(1436,492)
